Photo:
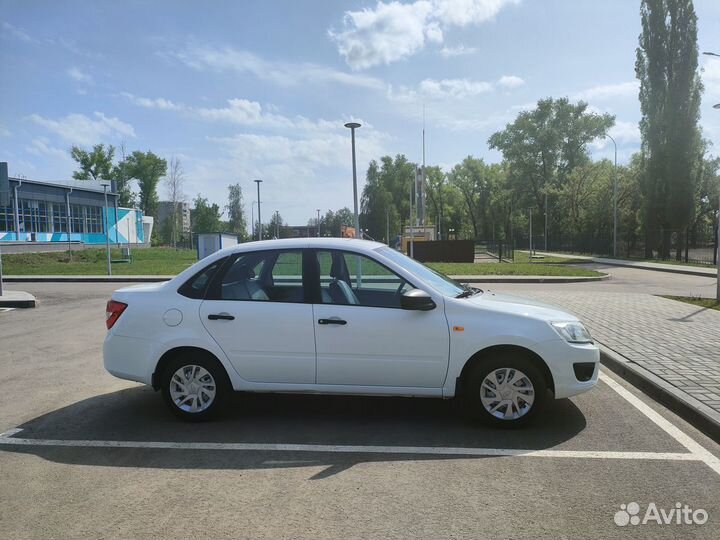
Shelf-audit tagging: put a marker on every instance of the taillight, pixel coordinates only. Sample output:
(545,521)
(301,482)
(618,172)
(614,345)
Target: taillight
(112,312)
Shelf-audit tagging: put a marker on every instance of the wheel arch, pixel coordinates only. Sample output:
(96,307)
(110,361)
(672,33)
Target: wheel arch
(496,350)
(180,350)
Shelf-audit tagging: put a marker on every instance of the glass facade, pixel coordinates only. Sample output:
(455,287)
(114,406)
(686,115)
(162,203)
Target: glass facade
(45,217)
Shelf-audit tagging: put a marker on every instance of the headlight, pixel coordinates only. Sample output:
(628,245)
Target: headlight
(573,332)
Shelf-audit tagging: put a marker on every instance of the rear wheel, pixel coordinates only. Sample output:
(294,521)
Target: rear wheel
(194,385)
(506,391)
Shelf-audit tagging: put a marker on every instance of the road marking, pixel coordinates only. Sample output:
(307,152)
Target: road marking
(8,438)
(668,427)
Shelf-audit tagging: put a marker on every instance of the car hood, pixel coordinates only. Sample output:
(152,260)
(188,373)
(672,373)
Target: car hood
(519,305)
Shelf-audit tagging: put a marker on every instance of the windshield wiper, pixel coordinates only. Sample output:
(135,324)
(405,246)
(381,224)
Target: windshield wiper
(469,291)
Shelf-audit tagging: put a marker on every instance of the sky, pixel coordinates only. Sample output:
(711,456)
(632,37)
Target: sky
(261,89)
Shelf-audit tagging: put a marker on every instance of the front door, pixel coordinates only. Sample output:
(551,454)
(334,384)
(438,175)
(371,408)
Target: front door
(258,314)
(364,338)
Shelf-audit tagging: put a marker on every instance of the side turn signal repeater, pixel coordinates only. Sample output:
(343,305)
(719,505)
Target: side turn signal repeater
(458,328)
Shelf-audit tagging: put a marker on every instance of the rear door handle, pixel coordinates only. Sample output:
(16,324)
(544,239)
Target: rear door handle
(332,321)
(221,317)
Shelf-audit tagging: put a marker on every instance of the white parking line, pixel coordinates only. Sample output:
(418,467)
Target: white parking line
(8,438)
(668,427)
(695,451)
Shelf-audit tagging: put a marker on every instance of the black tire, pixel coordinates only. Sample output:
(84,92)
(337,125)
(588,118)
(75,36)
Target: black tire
(205,408)
(507,414)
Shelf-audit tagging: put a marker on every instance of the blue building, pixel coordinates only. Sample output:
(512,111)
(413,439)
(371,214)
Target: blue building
(72,211)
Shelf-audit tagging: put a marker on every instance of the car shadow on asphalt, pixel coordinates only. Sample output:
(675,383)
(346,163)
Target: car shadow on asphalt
(139,415)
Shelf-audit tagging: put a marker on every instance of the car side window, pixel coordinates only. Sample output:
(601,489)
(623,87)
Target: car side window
(353,279)
(268,276)
(196,286)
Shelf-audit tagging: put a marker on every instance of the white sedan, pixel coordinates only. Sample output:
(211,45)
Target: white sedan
(342,316)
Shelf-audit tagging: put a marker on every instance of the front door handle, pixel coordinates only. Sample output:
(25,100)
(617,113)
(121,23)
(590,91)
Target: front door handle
(332,321)
(221,317)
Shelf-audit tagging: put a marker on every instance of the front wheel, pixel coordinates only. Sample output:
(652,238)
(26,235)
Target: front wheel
(194,386)
(506,391)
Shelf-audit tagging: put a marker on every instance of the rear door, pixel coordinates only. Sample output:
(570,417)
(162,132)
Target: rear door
(258,313)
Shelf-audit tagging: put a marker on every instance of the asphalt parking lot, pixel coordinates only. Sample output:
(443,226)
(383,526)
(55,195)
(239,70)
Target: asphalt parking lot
(85,455)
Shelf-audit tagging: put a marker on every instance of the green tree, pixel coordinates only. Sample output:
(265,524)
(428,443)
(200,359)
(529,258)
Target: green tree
(670,88)
(94,165)
(543,146)
(122,179)
(205,217)
(147,169)
(236,211)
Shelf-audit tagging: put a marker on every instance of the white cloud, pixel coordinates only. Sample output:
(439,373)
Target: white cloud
(460,50)
(80,76)
(510,81)
(394,30)
(453,88)
(450,89)
(280,73)
(85,130)
(609,92)
(467,12)
(16,33)
(238,111)
(149,103)
(41,146)
(711,77)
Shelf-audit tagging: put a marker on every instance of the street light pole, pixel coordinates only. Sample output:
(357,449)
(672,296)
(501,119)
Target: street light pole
(318,223)
(107,232)
(252,223)
(258,203)
(277,224)
(614,198)
(717,253)
(353,126)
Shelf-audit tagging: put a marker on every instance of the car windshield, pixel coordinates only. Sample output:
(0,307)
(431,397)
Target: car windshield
(439,282)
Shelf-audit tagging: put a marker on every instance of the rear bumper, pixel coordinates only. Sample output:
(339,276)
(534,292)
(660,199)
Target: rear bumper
(129,358)
(561,358)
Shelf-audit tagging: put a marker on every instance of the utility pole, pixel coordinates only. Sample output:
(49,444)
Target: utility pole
(531,246)
(546,220)
(387,225)
(352,126)
(259,218)
(412,229)
(277,224)
(717,255)
(318,223)
(107,232)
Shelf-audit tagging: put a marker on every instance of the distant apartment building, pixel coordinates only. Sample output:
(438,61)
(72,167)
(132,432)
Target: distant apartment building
(165,209)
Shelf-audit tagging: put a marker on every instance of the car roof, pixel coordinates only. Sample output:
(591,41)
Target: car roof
(312,242)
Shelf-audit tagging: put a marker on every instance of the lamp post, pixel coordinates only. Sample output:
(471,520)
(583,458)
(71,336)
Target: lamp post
(353,126)
(318,223)
(717,253)
(614,251)
(252,223)
(258,203)
(107,232)
(277,224)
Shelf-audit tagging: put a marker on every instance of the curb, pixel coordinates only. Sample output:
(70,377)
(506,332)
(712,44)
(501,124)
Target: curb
(684,405)
(155,279)
(655,269)
(529,279)
(22,300)
(85,279)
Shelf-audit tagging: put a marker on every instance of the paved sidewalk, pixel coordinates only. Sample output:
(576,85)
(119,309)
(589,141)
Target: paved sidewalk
(645,265)
(677,342)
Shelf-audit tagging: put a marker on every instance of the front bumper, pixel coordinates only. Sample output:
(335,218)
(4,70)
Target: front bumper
(561,357)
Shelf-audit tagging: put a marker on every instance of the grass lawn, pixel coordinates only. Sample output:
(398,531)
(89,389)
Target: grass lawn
(709,303)
(511,269)
(149,261)
(169,261)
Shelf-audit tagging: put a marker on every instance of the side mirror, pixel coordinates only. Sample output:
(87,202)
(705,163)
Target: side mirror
(417,300)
